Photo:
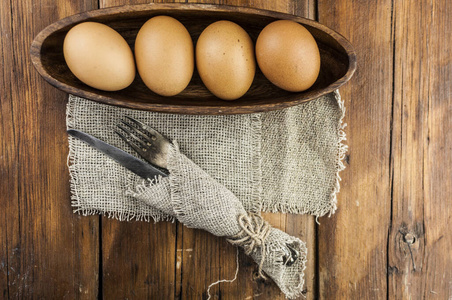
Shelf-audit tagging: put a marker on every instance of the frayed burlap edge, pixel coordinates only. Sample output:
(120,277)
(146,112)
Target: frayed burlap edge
(342,150)
(331,207)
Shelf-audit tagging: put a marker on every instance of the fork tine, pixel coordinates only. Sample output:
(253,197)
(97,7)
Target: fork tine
(136,122)
(132,140)
(137,131)
(121,135)
(150,132)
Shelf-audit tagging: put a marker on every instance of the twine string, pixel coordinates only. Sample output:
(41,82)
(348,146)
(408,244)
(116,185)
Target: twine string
(253,235)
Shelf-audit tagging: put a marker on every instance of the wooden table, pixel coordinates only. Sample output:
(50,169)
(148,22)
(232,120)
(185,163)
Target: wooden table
(388,239)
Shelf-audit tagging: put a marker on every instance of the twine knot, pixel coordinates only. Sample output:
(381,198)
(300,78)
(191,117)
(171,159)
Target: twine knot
(253,235)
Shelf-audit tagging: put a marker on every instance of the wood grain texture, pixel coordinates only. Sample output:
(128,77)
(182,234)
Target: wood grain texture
(420,243)
(389,239)
(437,160)
(47,252)
(8,162)
(138,258)
(353,243)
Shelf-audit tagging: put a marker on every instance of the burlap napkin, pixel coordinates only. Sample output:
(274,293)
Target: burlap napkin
(286,161)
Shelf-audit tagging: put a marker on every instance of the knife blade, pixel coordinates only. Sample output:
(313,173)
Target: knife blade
(125,159)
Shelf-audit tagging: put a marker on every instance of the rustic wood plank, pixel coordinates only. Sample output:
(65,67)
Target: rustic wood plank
(304,8)
(438,159)
(352,243)
(138,258)
(214,259)
(50,252)
(420,241)
(8,160)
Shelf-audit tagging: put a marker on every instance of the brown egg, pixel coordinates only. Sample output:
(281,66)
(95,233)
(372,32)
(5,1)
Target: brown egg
(164,55)
(288,55)
(99,56)
(225,60)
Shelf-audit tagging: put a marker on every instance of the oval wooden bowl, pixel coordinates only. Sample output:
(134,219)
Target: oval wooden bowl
(337,56)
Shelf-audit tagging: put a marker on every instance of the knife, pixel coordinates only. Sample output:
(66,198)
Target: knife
(125,159)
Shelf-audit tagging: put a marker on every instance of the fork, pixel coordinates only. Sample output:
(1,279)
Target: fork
(147,142)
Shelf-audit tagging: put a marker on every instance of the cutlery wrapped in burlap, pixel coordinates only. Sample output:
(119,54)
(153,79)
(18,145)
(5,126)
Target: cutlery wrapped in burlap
(198,201)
